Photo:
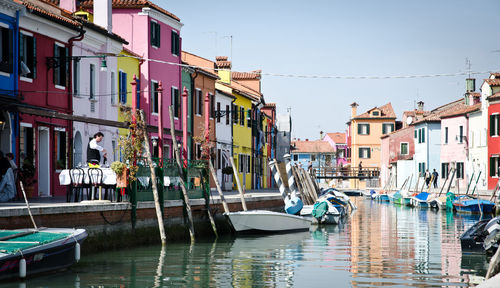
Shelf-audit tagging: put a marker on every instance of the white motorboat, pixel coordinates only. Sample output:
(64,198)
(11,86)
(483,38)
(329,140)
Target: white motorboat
(267,221)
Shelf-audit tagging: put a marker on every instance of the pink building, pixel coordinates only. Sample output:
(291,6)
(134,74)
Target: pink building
(339,142)
(454,142)
(153,33)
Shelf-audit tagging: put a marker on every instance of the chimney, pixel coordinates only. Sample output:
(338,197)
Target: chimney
(221,62)
(354,107)
(420,105)
(102,14)
(470,85)
(307,139)
(69,5)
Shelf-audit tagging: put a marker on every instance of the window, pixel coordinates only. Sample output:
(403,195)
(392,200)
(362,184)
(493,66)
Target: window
(218,112)
(60,148)
(387,128)
(155,34)
(421,135)
(154,96)
(375,113)
(460,170)
(26,146)
(113,90)
(445,169)
(240,161)
(197,147)
(364,152)
(242,116)
(123,87)
(235,112)
(212,105)
(219,158)
(199,102)
(176,102)
(295,157)
(494,166)
(249,118)
(460,134)
(445,135)
(76,78)
(494,125)
(421,169)
(363,129)
(60,72)
(403,148)
(248,164)
(227,114)
(6,50)
(175,43)
(27,55)
(313,157)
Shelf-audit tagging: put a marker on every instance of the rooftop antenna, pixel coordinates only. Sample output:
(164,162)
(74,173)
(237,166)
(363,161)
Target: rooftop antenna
(468,65)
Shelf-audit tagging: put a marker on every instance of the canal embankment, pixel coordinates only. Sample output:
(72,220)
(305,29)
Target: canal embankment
(112,225)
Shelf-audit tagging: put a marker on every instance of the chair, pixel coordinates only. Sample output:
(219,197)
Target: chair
(95,180)
(76,177)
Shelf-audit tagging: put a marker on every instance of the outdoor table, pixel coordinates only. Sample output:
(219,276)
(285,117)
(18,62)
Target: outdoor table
(108,178)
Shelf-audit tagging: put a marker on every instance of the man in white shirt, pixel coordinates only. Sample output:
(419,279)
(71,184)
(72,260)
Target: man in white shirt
(94,150)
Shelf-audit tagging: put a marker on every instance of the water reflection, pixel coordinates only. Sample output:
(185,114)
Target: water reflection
(378,245)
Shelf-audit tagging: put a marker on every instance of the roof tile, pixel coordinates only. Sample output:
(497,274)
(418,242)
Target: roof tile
(316,146)
(123,4)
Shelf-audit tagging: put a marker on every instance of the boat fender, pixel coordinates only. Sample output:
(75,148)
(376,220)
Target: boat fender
(22,268)
(77,252)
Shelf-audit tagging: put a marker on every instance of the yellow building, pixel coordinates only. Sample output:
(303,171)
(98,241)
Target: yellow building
(127,67)
(365,131)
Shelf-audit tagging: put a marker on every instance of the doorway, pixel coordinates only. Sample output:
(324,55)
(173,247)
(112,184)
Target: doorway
(77,156)
(43,161)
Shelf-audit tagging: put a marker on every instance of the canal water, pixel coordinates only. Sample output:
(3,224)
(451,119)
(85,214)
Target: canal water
(378,245)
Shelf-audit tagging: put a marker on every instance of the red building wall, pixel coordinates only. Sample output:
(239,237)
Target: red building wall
(493,144)
(41,92)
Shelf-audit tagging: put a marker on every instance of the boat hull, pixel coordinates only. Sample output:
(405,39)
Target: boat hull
(266,221)
(44,258)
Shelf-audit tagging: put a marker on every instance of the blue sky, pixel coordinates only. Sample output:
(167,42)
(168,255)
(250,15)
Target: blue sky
(346,38)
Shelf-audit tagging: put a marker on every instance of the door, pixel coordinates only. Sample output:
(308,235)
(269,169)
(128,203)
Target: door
(77,150)
(43,161)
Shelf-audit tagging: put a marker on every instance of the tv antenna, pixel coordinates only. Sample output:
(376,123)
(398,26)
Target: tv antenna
(468,65)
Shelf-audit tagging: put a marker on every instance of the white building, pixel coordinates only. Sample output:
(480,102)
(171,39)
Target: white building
(224,134)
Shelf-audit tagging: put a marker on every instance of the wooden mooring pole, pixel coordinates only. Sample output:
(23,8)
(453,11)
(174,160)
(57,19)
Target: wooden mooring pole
(181,175)
(153,180)
(217,184)
(242,194)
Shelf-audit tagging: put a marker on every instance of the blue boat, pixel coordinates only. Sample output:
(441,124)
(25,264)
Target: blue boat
(420,200)
(467,204)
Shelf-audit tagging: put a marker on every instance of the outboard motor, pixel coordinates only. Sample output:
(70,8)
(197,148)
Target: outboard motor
(493,238)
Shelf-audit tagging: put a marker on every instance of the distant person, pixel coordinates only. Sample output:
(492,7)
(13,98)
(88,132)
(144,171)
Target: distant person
(360,168)
(94,150)
(427,177)
(435,179)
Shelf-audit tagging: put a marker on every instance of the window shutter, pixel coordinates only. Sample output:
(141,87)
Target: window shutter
(158,35)
(21,51)
(369,153)
(54,70)
(172,42)
(11,51)
(359,128)
(492,123)
(34,58)
(423,135)
(492,166)
(415,132)
(152,34)
(66,67)
(368,129)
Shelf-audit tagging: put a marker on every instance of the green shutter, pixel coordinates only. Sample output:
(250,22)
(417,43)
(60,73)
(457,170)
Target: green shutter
(367,129)
(423,135)
(415,132)
(492,166)
(359,129)
(369,153)
(492,121)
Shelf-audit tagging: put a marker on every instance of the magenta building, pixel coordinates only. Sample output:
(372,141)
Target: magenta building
(153,33)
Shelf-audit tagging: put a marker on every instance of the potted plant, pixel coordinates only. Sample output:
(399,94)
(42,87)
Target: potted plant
(27,176)
(120,170)
(228,170)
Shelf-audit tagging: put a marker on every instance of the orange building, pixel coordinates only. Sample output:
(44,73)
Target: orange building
(365,131)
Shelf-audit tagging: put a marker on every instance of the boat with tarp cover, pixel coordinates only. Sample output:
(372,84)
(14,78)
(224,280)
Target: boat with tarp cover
(27,252)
